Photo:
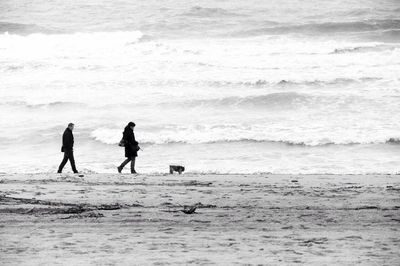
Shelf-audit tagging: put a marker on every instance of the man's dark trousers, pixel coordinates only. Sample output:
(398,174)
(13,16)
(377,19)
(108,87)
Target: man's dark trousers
(68,155)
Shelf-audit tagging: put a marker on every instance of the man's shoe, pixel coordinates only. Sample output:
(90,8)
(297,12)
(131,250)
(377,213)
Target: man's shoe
(133,172)
(119,169)
(58,172)
(76,172)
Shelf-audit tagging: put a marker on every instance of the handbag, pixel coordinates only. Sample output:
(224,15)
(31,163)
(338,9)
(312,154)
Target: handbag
(121,143)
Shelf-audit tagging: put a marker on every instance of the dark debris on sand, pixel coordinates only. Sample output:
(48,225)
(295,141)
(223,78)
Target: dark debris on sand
(42,207)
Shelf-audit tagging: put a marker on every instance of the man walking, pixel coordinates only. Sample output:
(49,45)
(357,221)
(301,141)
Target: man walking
(68,149)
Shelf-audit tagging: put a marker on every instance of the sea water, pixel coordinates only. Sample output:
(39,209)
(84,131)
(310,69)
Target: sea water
(279,86)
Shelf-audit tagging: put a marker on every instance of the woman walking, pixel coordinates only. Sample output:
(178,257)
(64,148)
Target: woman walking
(131,147)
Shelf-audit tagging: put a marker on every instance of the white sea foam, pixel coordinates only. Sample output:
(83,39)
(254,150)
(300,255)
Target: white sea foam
(247,134)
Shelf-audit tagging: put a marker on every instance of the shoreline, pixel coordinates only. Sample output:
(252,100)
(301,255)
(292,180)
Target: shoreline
(240,219)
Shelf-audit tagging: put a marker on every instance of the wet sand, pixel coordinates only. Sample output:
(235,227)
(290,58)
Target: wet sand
(105,219)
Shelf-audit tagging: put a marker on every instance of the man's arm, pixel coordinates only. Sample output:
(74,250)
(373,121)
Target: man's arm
(67,140)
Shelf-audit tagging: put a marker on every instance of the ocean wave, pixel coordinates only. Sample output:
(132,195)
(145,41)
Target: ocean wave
(336,81)
(80,41)
(13,67)
(281,99)
(56,104)
(226,134)
(389,36)
(282,94)
(325,28)
(393,141)
(20,28)
(196,135)
(268,83)
(205,12)
(365,49)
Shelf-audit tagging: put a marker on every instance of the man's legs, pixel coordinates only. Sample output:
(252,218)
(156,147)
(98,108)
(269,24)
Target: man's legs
(63,162)
(72,161)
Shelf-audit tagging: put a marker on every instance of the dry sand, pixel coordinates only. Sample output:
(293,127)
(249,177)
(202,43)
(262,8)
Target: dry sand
(104,219)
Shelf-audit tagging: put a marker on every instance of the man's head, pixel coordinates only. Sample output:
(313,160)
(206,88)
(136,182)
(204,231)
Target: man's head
(71,126)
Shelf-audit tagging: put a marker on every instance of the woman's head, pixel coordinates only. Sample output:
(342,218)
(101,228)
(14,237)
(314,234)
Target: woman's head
(131,125)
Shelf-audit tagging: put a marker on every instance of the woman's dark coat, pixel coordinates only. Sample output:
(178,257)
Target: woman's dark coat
(130,143)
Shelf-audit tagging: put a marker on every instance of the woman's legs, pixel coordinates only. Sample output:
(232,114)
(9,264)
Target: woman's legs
(133,159)
(123,164)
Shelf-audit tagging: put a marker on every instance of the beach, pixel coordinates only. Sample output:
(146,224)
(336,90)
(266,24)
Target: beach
(284,113)
(257,219)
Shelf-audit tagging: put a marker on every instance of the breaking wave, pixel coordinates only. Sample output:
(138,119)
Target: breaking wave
(281,99)
(326,28)
(393,141)
(79,40)
(201,12)
(283,82)
(263,82)
(366,49)
(23,29)
(228,134)
(57,104)
(390,36)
